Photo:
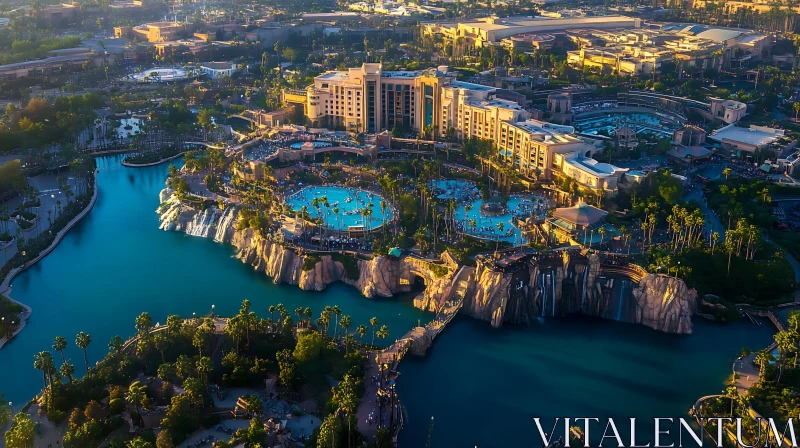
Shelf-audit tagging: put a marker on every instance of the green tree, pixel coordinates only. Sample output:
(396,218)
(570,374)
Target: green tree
(137,397)
(139,442)
(346,398)
(21,433)
(374,323)
(59,344)
(82,340)
(164,440)
(308,347)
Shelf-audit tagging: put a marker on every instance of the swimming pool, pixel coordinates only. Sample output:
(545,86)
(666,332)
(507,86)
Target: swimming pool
(349,202)
(638,121)
(458,189)
(299,145)
(486,226)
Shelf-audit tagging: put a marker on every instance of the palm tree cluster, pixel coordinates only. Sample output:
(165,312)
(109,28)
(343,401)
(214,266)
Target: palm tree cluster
(686,228)
(745,237)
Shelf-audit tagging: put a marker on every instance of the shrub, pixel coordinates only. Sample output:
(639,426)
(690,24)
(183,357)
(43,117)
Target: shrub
(310,261)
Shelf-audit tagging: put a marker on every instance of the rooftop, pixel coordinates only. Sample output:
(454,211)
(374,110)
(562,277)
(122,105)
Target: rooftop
(593,166)
(754,135)
(217,65)
(471,86)
(580,215)
(400,74)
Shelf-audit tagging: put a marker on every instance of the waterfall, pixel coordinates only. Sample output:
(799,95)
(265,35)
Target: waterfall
(623,285)
(224,224)
(543,287)
(203,222)
(583,289)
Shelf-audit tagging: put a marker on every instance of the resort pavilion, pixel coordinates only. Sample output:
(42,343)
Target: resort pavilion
(580,225)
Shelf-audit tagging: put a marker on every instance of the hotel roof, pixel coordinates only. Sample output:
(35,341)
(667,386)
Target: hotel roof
(593,166)
(471,86)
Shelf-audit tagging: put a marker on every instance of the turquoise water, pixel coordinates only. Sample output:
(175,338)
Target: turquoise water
(640,122)
(483,385)
(349,212)
(458,189)
(486,226)
(116,263)
(299,145)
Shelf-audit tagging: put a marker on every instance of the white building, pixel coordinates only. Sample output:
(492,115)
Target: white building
(746,139)
(216,70)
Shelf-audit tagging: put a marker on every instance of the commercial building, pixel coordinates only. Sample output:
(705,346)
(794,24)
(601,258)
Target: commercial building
(492,30)
(642,51)
(746,139)
(153,32)
(368,99)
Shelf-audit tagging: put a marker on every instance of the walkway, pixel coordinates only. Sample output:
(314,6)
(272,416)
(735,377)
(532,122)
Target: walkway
(5,286)
(392,355)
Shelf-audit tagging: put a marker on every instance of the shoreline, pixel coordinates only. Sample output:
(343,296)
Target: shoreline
(143,165)
(5,286)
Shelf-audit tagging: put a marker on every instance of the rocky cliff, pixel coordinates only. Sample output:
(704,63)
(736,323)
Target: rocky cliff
(377,277)
(558,287)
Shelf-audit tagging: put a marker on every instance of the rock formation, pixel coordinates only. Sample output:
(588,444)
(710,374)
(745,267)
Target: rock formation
(378,277)
(556,286)
(567,286)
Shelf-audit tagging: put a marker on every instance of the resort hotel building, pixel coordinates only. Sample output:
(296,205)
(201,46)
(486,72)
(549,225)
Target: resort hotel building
(368,99)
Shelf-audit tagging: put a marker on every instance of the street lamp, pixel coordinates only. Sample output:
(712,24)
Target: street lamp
(212,309)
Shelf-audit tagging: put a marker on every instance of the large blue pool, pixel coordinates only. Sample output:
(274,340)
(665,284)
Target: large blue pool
(350,203)
(299,145)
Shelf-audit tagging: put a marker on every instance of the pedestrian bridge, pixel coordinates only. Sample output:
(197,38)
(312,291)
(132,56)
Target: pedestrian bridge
(418,339)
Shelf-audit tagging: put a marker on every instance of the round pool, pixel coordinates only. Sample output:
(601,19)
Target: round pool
(160,75)
(350,203)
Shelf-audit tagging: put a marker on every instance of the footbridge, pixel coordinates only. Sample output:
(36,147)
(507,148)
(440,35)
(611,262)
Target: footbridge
(419,339)
(635,272)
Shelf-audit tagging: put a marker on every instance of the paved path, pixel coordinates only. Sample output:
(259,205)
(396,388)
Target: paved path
(5,286)
(747,373)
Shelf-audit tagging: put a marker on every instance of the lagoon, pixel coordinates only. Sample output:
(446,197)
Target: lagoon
(481,384)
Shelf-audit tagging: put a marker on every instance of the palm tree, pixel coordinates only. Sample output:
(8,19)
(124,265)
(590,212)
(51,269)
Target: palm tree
(83,340)
(732,393)
(383,332)
(44,361)
(374,323)
(500,227)
(796,107)
(714,239)
(59,344)
(204,367)
(308,313)
(336,312)
(345,323)
(726,172)
(602,232)
(762,358)
(362,331)
(67,369)
(116,343)
(137,396)
(253,405)
(161,342)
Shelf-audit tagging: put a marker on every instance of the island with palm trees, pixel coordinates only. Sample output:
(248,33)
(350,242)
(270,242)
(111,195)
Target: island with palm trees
(282,378)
